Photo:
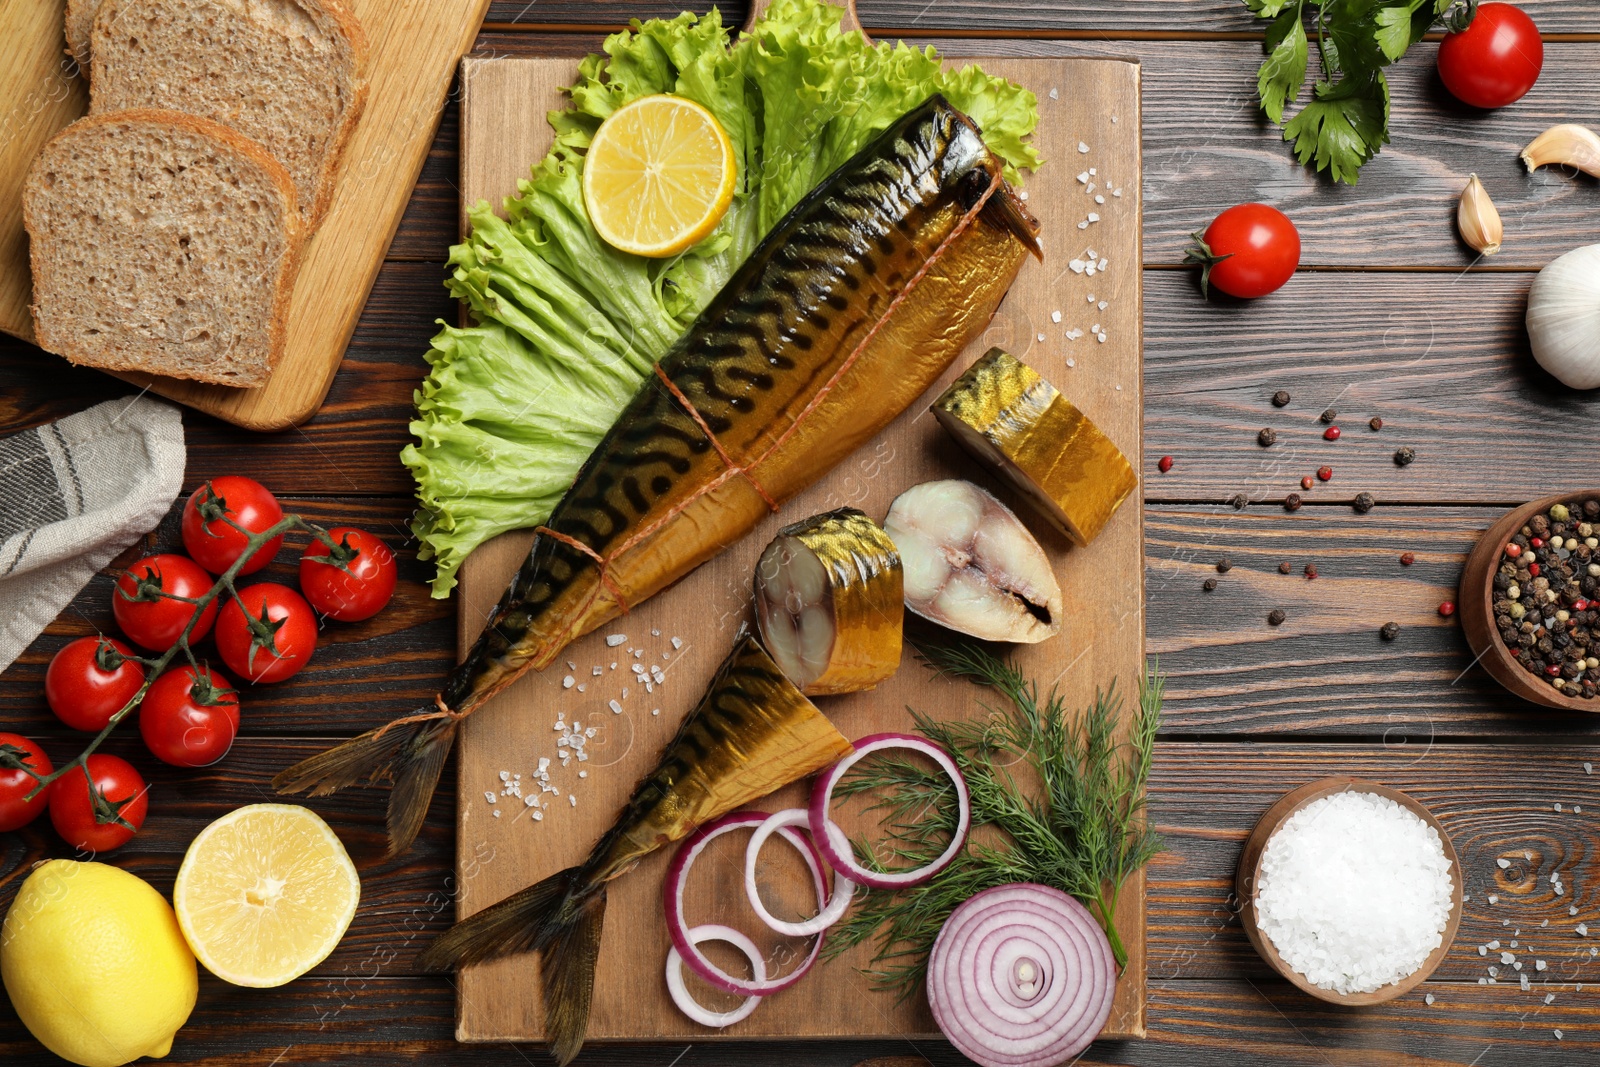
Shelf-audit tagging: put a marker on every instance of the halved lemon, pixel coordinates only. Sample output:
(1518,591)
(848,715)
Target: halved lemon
(265,893)
(659,176)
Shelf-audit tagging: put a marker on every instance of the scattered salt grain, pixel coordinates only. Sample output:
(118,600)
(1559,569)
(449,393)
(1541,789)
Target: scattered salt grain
(1493,899)
(1083,225)
(677,642)
(1055,316)
(1103,263)
(1072,362)
(1023,195)
(1495,945)
(1502,864)
(1583,931)
(1558,805)
(1041,338)
(1483,950)
(1099,199)
(496,813)
(1116,192)
(581,688)
(613,640)
(1588,768)
(1083,179)
(1077,266)
(616,709)
(1354,892)
(1557,1033)
(655,711)
(566,683)
(571,666)
(1102,305)
(488,794)
(1056,95)
(572,800)
(598,670)
(1538,965)
(655,633)
(1093,171)
(1094,216)
(1506,957)
(583,774)
(1083,148)
(1428,999)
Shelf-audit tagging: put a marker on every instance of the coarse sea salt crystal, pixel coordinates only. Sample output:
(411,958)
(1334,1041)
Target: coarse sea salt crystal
(568,681)
(1055,316)
(1083,148)
(1354,892)
(1502,864)
(1428,999)
(613,640)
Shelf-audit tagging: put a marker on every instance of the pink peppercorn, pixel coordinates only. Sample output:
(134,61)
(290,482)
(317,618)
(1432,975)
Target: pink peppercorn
(1513,549)
(1325,473)
(1407,559)
(1305,483)
(1165,464)
(1331,433)
(1448,608)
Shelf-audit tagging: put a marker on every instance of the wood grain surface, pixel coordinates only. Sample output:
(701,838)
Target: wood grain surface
(413,48)
(1252,710)
(498,1001)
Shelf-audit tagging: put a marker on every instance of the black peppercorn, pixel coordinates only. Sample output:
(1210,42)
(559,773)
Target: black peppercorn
(1209,584)
(1291,502)
(1284,567)
(1329,415)
(1280,399)
(1389,631)
(1404,456)
(1224,565)
(1311,570)
(1363,503)
(1238,501)
(1376,423)
(1275,617)
(1267,437)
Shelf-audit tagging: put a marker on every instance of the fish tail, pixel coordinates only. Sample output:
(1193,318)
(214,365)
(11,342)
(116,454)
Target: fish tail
(412,751)
(1004,210)
(561,918)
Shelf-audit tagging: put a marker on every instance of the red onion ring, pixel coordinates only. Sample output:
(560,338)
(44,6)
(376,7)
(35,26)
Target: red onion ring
(835,845)
(680,991)
(838,900)
(1021,976)
(678,928)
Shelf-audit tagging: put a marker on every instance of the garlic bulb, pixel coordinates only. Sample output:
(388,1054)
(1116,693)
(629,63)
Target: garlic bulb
(1564,318)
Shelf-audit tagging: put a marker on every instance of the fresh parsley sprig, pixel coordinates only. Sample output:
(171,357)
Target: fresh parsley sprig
(1346,121)
(1076,822)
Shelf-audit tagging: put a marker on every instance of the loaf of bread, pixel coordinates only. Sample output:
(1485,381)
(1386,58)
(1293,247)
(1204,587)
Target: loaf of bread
(287,73)
(162,242)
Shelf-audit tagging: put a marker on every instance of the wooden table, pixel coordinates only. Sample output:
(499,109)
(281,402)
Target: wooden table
(1384,320)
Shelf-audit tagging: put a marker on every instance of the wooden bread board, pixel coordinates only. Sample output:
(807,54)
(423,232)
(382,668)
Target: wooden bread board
(1095,102)
(414,46)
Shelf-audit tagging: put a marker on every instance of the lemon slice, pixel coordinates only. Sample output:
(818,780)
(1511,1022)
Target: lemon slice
(659,176)
(265,893)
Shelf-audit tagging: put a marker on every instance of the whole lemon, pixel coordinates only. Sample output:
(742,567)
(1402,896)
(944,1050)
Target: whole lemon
(95,964)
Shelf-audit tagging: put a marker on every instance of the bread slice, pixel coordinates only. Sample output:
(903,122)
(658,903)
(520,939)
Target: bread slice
(161,242)
(80,22)
(286,73)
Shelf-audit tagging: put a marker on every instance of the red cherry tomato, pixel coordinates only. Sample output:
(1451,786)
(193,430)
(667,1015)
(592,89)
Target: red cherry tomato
(215,544)
(289,637)
(1247,251)
(155,622)
(79,688)
(16,784)
(189,718)
(357,590)
(1495,60)
(77,815)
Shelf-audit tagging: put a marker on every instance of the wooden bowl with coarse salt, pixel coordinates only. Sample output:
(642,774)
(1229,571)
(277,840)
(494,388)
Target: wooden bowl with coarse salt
(1248,877)
(1477,608)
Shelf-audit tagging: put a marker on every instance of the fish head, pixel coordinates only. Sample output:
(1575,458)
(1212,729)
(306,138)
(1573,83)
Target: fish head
(975,174)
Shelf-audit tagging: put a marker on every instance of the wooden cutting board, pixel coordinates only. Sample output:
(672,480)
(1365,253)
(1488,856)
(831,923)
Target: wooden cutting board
(414,48)
(1090,120)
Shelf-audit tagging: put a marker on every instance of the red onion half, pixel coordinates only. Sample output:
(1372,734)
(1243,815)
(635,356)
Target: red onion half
(838,901)
(835,845)
(1021,976)
(672,893)
(680,991)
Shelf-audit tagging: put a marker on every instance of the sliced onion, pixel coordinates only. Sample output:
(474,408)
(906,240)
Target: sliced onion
(678,928)
(838,900)
(1021,976)
(680,991)
(835,845)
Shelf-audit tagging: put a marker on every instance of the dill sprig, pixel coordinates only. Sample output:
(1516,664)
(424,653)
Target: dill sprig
(1078,828)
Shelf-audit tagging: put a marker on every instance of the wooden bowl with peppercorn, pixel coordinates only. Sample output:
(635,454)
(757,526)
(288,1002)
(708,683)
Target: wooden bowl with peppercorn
(1527,604)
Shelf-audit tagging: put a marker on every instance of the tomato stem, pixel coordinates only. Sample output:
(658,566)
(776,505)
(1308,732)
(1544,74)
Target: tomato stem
(1201,253)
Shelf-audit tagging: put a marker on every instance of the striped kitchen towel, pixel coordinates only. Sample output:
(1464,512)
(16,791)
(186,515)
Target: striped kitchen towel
(73,494)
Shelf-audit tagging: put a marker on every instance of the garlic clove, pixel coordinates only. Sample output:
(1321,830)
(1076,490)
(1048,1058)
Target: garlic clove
(1478,220)
(1568,145)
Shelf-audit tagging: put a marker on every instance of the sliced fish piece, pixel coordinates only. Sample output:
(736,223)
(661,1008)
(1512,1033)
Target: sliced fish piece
(829,603)
(1019,425)
(971,565)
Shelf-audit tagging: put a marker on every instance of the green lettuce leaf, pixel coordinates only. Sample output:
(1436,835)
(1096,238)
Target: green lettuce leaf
(565,326)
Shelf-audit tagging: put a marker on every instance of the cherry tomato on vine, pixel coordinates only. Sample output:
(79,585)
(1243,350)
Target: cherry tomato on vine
(91,680)
(16,783)
(88,819)
(189,717)
(352,581)
(270,637)
(211,541)
(1247,251)
(154,622)
(1494,60)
